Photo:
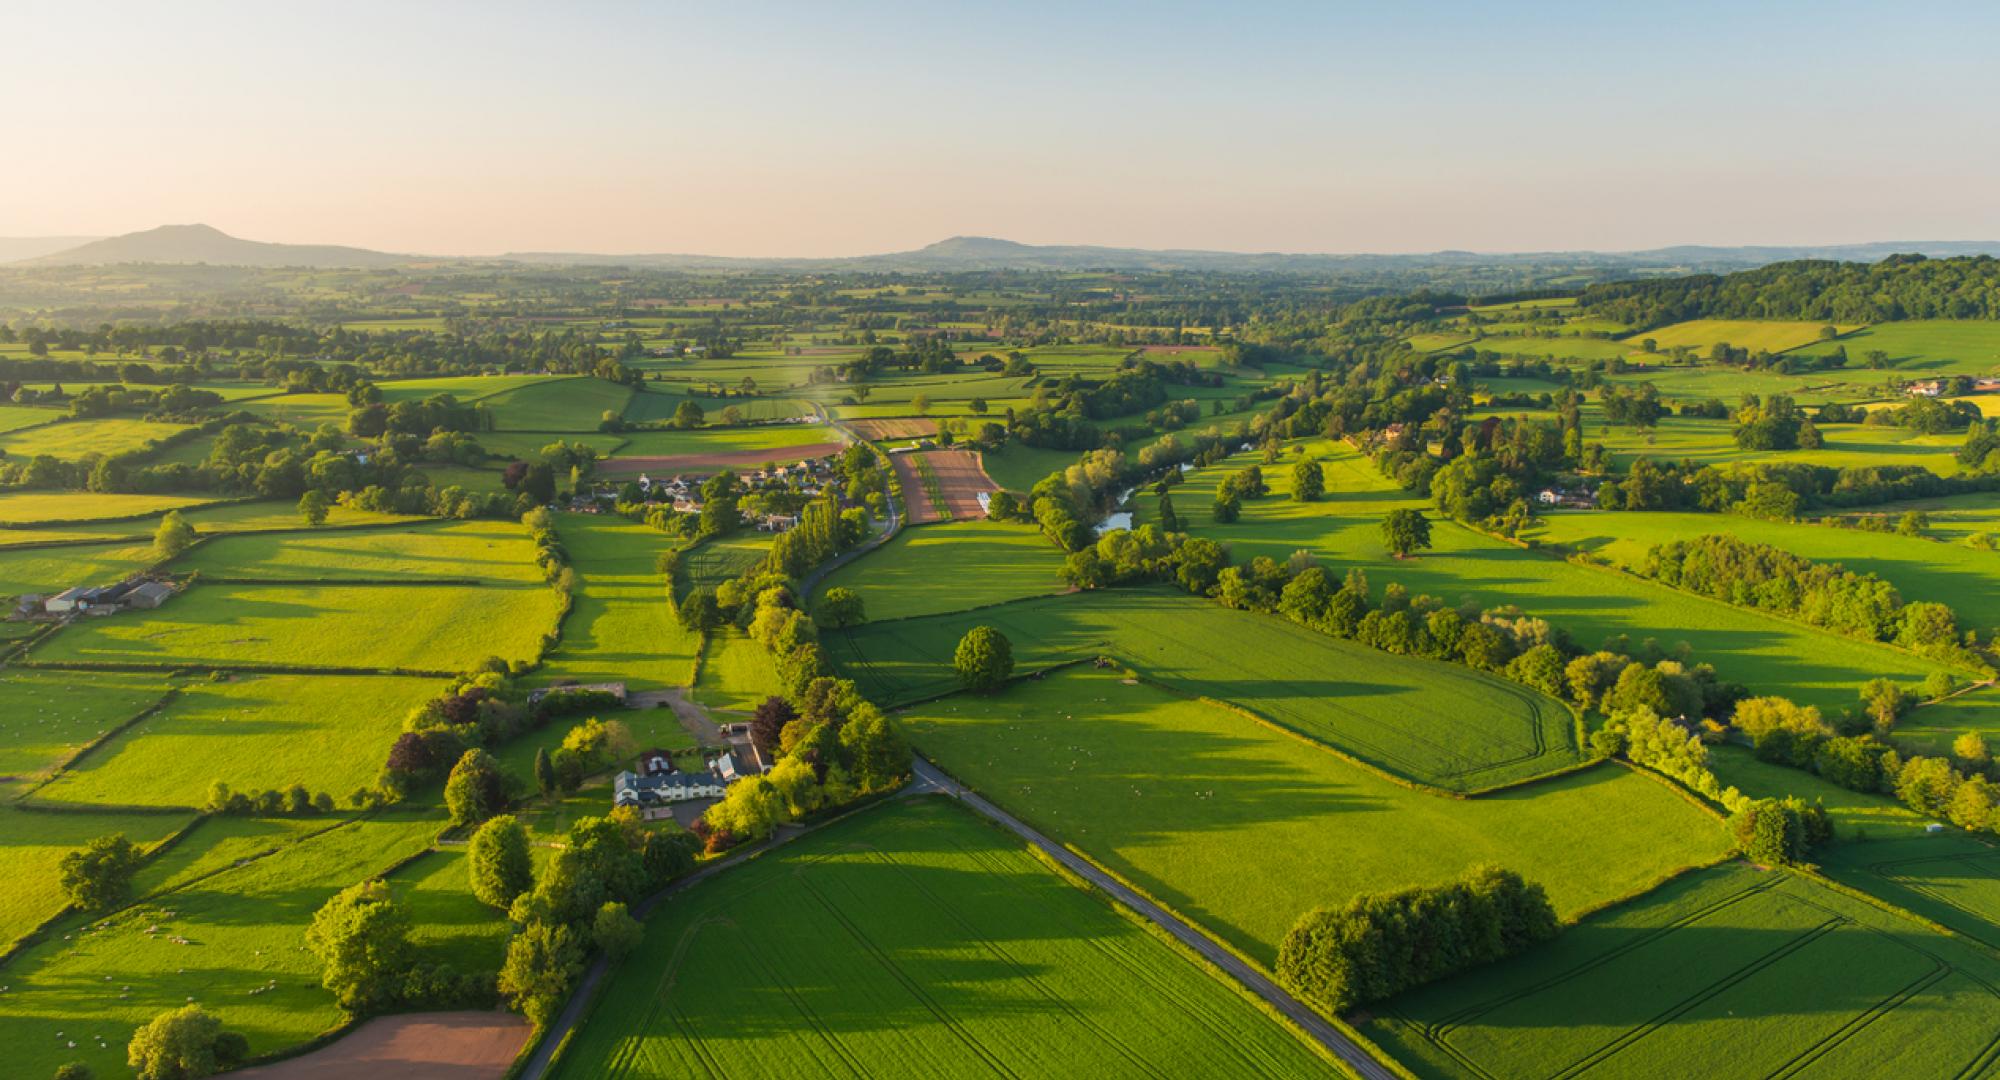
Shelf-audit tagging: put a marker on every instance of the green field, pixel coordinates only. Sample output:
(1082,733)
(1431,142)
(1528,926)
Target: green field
(1432,722)
(47,715)
(36,843)
(1966,579)
(654,404)
(1750,973)
(429,628)
(457,550)
(1713,442)
(48,570)
(917,941)
(74,438)
(1925,347)
(572,403)
(28,507)
(779,439)
(1243,828)
(1931,728)
(720,558)
(330,733)
(244,926)
(950,567)
(736,672)
(1769,654)
(1019,468)
(16,417)
(621,628)
(1752,334)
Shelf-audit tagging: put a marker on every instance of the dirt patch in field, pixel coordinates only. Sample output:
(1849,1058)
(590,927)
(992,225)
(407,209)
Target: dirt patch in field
(901,427)
(958,478)
(708,463)
(1189,351)
(422,1046)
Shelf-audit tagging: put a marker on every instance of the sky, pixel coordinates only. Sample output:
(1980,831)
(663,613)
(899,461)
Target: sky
(816,129)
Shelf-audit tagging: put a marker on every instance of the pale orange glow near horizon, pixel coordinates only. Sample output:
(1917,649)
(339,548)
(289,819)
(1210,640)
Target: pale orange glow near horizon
(795,130)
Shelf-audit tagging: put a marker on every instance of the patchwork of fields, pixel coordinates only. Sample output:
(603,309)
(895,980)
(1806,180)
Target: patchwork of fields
(1436,723)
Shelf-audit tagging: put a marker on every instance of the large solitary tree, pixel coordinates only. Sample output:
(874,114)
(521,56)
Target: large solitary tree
(502,867)
(984,659)
(1405,531)
(1308,481)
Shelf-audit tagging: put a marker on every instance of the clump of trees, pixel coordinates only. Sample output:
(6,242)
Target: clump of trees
(184,1044)
(98,876)
(294,801)
(1757,575)
(1376,946)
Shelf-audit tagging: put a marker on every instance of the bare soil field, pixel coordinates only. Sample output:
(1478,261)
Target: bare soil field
(902,427)
(943,485)
(726,459)
(421,1046)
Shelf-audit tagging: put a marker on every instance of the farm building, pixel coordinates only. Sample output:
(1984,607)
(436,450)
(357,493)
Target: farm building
(105,599)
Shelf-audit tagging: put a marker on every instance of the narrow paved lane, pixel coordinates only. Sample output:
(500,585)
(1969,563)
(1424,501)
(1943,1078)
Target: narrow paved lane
(1347,1050)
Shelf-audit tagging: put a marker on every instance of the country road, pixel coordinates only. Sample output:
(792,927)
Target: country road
(1351,1053)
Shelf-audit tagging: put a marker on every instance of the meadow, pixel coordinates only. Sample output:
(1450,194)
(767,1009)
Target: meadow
(18,508)
(1766,971)
(776,438)
(1019,468)
(1343,530)
(563,403)
(1432,722)
(16,417)
(36,842)
(73,439)
(620,628)
(243,959)
(950,567)
(1925,347)
(1767,335)
(655,404)
(1952,574)
(1242,827)
(721,558)
(47,570)
(457,551)
(736,672)
(915,940)
(254,732)
(1713,442)
(424,628)
(47,715)
(1931,728)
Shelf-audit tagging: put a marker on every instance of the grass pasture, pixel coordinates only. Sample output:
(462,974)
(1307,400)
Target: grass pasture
(777,439)
(1243,828)
(557,403)
(916,941)
(1766,653)
(1966,579)
(22,508)
(47,715)
(736,672)
(1432,722)
(46,570)
(330,733)
(1925,347)
(457,550)
(243,926)
(427,628)
(720,558)
(951,567)
(653,403)
(35,843)
(1757,973)
(621,627)
(73,439)
(1773,335)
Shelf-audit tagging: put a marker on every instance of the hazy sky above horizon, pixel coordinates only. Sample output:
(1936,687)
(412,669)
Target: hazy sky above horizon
(831,129)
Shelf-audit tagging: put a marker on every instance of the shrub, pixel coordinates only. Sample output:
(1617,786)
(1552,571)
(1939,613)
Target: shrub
(501,867)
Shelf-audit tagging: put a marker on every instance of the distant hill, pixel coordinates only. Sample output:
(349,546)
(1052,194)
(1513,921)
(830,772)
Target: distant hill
(16,248)
(972,253)
(206,244)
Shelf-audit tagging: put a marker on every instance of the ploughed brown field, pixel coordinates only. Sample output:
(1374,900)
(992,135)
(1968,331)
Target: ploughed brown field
(420,1046)
(899,427)
(961,476)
